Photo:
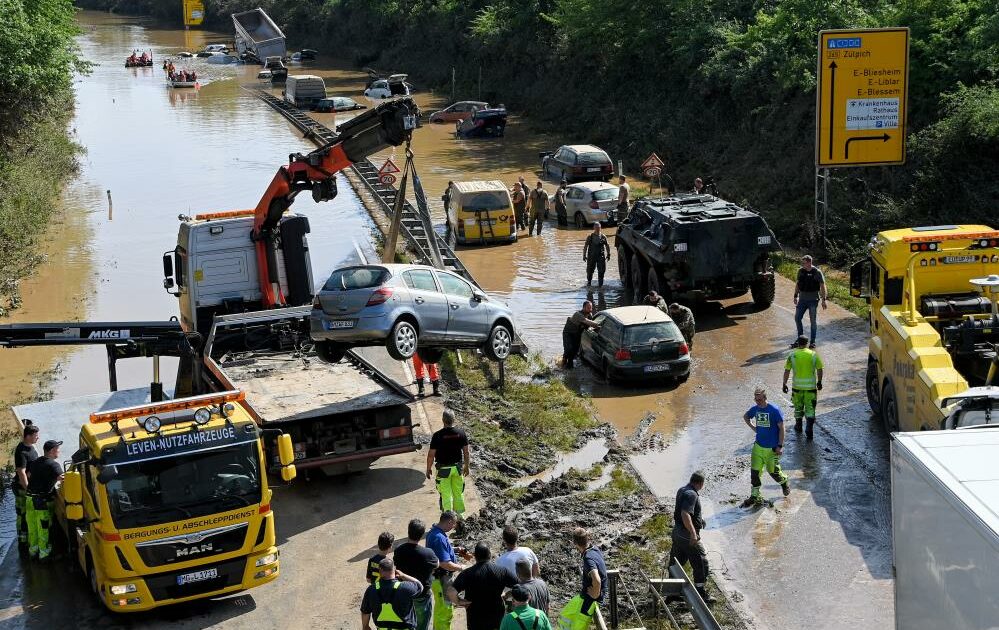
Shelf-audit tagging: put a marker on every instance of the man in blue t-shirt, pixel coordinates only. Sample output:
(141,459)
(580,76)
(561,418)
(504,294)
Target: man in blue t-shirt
(768,423)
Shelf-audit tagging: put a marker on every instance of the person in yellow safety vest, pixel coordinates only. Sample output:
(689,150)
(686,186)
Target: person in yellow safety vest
(579,612)
(43,475)
(448,449)
(806,366)
(390,599)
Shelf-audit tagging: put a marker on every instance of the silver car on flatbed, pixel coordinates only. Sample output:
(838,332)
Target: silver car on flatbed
(410,309)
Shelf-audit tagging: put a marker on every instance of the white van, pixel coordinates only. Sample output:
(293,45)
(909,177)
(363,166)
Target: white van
(304,90)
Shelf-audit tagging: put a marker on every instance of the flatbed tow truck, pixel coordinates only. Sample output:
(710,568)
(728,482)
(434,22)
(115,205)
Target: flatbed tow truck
(934,325)
(163,501)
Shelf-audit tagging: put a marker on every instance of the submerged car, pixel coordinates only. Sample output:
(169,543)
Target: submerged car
(636,343)
(337,104)
(588,203)
(409,309)
(577,163)
(485,123)
(458,111)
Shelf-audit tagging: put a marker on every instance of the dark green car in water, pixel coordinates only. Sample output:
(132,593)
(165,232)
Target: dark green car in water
(636,343)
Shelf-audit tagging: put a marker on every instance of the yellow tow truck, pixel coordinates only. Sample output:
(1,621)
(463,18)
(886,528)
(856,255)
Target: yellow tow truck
(164,500)
(934,322)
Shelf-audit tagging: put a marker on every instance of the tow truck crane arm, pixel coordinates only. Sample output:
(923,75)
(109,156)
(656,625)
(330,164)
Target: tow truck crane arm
(389,124)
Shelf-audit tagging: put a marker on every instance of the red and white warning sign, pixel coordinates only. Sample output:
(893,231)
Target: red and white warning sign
(653,166)
(388,179)
(388,167)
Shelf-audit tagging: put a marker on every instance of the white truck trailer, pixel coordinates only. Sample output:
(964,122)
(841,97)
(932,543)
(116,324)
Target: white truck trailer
(257,36)
(945,529)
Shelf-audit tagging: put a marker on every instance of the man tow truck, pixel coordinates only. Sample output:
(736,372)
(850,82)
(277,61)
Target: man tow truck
(165,501)
(934,325)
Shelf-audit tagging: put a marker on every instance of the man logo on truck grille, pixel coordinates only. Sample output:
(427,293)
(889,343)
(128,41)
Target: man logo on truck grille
(194,550)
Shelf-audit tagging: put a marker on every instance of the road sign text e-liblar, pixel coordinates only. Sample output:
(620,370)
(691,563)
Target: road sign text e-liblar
(861,97)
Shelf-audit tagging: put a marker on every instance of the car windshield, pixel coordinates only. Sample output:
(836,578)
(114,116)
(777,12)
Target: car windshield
(356,278)
(591,158)
(605,193)
(187,486)
(645,334)
(481,201)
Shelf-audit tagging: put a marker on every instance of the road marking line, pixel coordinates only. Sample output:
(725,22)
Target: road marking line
(360,254)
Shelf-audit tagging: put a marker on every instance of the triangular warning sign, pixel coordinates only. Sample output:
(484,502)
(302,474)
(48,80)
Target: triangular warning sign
(388,167)
(653,161)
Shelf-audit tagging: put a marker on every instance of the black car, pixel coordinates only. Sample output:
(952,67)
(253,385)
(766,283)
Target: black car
(485,123)
(577,163)
(636,343)
(337,104)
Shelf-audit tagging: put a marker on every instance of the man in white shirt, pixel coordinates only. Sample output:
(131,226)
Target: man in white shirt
(514,552)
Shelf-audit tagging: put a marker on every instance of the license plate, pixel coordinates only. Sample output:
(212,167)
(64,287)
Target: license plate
(950,260)
(593,169)
(197,576)
(339,323)
(657,367)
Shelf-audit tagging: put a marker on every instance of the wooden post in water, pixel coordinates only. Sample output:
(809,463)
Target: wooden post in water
(502,375)
(110,206)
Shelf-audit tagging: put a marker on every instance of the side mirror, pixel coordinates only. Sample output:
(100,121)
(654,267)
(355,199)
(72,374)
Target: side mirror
(286,452)
(72,487)
(108,473)
(860,279)
(168,265)
(478,296)
(288,472)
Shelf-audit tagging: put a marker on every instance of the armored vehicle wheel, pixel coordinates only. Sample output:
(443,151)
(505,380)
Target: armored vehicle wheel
(763,291)
(654,281)
(622,266)
(638,276)
(889,408)
(873,387)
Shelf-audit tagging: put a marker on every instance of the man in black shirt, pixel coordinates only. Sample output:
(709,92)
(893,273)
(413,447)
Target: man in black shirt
(596,253)
(483,584)
(578,613)
(572,333)
(24,455)
(687,525)
(43,475)
(418,562)
(447,447)
(385,540)
(390,599)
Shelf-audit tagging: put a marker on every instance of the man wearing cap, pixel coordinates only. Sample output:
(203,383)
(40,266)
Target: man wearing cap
(24,455)
(449,453)
(43,475)
(523,616)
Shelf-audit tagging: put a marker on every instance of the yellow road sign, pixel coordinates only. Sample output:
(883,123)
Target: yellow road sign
(194,12)
(861,99)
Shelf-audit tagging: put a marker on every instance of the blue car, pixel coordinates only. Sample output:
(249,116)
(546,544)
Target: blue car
(410,309)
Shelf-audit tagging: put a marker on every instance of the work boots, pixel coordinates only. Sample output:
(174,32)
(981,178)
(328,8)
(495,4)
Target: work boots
(797,425)
(437,387)
(703,592)
(420,391)
(810,429)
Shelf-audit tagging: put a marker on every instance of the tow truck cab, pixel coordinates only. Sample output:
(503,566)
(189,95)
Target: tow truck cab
(167,502)
(213,268)
(933,320)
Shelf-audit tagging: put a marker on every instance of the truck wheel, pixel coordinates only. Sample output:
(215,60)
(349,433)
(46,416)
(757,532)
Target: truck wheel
(889,408)
(637,277)
(873,390)
(402,341)
(330,351)
(653,281)
(430,355)
(763,291)
(622,266)
(500,343)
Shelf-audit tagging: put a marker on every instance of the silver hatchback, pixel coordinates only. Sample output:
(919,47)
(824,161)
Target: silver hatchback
(410,309)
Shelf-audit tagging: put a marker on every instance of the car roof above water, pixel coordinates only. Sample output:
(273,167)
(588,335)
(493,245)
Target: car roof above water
(632,315)
(474,186)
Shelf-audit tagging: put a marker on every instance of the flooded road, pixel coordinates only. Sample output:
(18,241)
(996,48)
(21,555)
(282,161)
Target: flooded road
(163,152)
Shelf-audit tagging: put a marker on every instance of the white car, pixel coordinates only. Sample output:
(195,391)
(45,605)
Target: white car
(587,203)
(393,86)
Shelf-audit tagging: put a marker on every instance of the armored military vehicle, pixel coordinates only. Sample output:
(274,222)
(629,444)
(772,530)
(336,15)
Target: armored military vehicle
(696,244)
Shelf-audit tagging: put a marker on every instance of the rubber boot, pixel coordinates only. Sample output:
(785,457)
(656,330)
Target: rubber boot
(703,592)
(437,387)
(420,391)
(810,429)
(797,425)
(786,487)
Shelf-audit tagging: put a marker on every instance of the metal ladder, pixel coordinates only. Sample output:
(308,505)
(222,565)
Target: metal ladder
(412,226)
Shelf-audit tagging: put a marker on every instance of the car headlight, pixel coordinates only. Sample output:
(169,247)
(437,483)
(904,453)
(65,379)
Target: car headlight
(270,558)
(123,589)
